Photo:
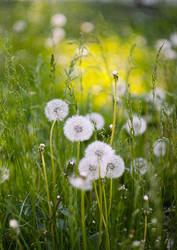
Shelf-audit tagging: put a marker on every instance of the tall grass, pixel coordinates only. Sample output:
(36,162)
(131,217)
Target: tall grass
(133,222)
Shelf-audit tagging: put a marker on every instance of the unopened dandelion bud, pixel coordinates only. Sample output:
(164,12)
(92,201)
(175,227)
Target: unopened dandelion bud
(115,74)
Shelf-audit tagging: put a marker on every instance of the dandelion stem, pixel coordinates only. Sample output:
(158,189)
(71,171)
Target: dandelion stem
(77,160)
(52,160)
(145,229)
(106,215)
(97,197)
(83,221)
(114,112)
(101,211)
(112,137)
(46,182)
(110,198)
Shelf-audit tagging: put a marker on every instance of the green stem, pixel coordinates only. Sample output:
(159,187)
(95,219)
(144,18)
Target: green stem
(106,214)
(112,137)
(52,161)
(114,112)
(145,230)
(83,221)
(101,212)
(77,160)
(97,197)
(110,198)
(46,183)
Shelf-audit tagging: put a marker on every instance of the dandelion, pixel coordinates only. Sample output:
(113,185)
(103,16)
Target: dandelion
(56,109)
(58,20)
(87,27)
(173,39)
(91,169)
(115,167)
(81,182)
(138,125)
(58,35)
(140,164)
(160,147)
(97,119)
(78,128)
(146,198)
(4,174)
(99,151)
(13,224)
(19,26)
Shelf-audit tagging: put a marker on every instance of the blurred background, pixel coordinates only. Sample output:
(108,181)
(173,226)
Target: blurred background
(81,42)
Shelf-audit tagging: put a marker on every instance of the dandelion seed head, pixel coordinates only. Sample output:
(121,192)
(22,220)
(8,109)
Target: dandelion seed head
(4,174)
(56,109)
(58,20)
(87,27)
(110,126)
(91,169)
(136,243)
(159,147)
(13,224)
(97,119)
(138,124)
(99,151)
(115,166)
(146,198)
(19,26)
(173,39)
(140,164)
(78,128)
(81,183)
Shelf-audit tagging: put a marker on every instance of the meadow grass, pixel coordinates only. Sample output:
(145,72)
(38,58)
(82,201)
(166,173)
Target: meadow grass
(142,211)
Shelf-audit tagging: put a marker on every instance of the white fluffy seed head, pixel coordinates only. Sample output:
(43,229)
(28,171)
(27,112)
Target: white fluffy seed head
(4,174)
(160,147)
(56,109)
(140,165)
(78,128)
(137,124)
(91,169)
(81,183)
(58,20)
(99,152)
(13,224)
(87,27)
(115,166)
(97,119)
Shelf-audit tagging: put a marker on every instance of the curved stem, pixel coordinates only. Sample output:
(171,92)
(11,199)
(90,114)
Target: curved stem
(83,221)
(52,161)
